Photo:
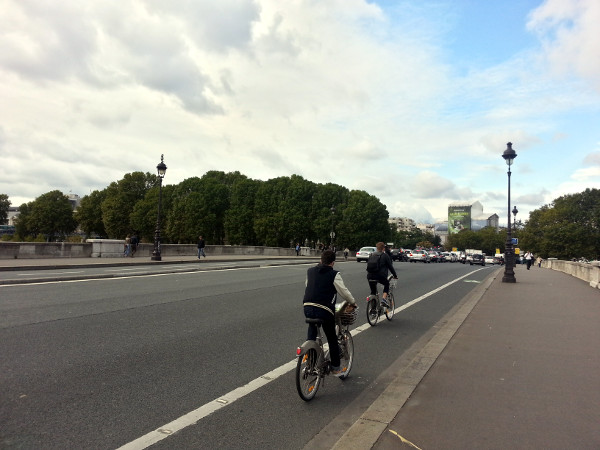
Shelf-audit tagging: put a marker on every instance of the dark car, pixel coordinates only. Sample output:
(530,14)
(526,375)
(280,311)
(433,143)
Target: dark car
(396,254)
(477,258)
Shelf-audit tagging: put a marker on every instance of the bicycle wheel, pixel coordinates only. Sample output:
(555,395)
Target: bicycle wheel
(372,311)
(307,375)
(346,352)
(389,311)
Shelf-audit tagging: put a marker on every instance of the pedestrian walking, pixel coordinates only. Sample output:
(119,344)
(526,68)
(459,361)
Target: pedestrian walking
(297,249)
(528,259)
(127,248)
(539,261)
(201,245)
(135,240)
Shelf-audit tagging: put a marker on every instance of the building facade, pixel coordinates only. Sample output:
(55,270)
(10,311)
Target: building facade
(402,223)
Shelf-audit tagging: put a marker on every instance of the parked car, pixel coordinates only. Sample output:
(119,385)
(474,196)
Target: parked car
(419,255)
(489,259)
(364,253)
(434,257)
(477,258)
(449,257)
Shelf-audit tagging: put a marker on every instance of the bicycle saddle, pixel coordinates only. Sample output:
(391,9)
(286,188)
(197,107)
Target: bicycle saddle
(315,321)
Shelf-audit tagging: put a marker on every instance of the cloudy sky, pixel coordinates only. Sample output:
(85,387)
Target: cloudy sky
(412,101)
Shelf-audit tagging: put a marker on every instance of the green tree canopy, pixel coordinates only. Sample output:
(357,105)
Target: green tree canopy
(121,198)
(365,221)
(4,206)
(567,228)
(144,214)
(89,213)
(239,218)
(50,215)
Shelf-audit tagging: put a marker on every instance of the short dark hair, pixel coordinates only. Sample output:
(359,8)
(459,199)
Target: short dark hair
(327,257)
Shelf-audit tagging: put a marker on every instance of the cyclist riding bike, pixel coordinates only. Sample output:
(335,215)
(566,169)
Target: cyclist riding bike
(378,265)
(322,286)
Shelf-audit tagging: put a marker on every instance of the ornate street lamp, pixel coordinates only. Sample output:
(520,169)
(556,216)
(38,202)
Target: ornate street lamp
(162,169)
(332,235)
(509,255)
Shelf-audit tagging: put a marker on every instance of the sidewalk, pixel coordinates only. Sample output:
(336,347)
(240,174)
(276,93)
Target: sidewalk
(522,372)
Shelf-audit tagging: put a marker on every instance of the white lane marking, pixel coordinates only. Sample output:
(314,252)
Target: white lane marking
(207,409)
(125,277)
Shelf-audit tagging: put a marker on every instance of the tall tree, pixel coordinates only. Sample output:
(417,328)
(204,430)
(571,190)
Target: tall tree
(89,213)
(4,206)
(121,197)
(369,223)
(239,218)
(567,228)
(268,217)
(198,208)
(50,215)
(144,214)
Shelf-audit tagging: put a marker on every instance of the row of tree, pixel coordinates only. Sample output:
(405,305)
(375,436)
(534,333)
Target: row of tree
(232,208)
(223,207)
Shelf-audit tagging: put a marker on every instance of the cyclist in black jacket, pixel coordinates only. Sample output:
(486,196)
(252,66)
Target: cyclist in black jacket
(322,286)
(379,262)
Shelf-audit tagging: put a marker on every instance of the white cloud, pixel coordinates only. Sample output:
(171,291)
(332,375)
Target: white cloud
(340,91)
(569,32)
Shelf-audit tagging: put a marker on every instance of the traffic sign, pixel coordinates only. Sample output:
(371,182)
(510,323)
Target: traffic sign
(515,241)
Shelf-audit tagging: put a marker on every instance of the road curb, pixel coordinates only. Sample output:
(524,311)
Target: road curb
(365,432)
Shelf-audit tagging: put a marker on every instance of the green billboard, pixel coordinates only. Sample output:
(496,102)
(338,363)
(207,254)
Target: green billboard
(459,218)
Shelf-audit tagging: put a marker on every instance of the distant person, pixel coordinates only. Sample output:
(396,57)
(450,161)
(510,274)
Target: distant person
(127,248)
(346,253)
(378,265)
(297,249)
(539,261)
(528,259)
(201,245)
(135,240)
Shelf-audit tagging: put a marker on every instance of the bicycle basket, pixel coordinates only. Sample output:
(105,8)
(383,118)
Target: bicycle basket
(393,282)
(348,316)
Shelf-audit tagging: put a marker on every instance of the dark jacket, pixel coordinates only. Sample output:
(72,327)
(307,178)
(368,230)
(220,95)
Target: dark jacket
(385,264)
(200,243)
(320,290)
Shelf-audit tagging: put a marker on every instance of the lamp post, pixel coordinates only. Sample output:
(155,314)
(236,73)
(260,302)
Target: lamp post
(509,273)
(162,169)
(332,235)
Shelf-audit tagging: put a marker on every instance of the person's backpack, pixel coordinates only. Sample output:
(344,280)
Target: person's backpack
(373,263)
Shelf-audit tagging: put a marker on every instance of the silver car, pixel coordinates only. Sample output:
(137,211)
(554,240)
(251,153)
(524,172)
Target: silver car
(420,255)
(364,253)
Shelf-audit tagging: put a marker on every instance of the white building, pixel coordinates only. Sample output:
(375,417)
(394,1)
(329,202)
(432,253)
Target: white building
(402,223)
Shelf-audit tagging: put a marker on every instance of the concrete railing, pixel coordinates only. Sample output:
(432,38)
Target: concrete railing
(589,272)
(25,250)
(112,248)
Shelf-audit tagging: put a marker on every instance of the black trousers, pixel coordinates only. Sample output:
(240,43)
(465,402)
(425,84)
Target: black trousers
(313,312)
(375,278)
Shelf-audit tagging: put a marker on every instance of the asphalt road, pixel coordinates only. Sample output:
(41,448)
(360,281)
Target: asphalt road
(101,363)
